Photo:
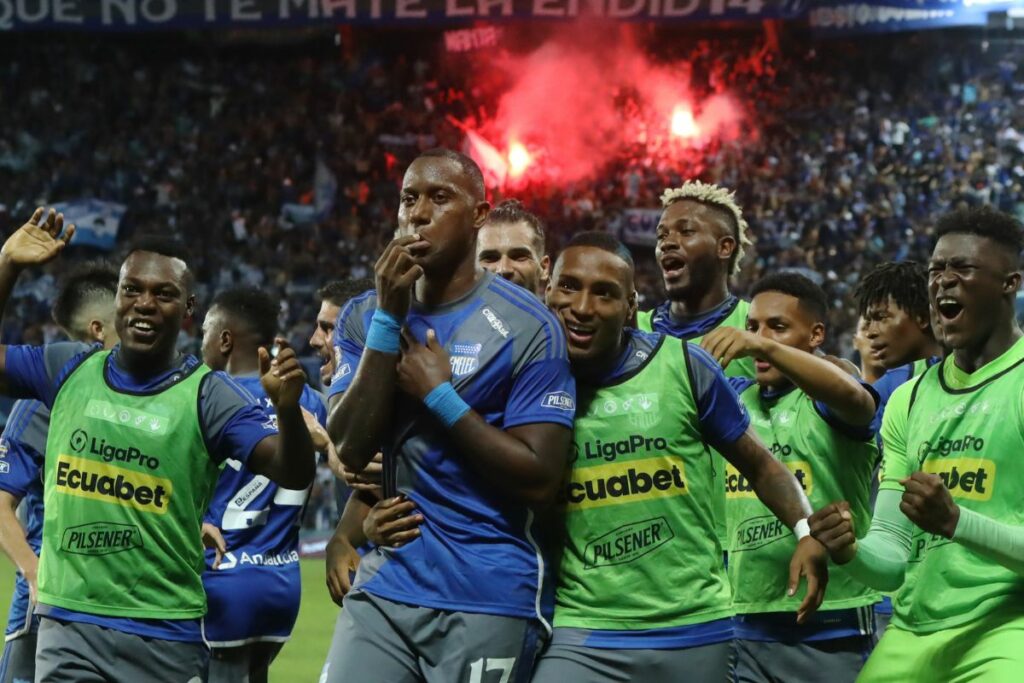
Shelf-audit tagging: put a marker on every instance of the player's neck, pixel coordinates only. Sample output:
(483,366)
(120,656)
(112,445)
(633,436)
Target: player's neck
(698,302)
(432,292)
(596,369)
(243,362)
(144,366)
(1002,338)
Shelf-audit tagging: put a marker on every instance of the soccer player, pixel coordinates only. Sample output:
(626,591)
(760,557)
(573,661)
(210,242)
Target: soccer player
(870,369)
(136,437)
(333,296)
(816,419)
(84,310)
(947,528)
(642,594)
(701,238)
(511,244)
(253,593)
(893,299)
(462,376)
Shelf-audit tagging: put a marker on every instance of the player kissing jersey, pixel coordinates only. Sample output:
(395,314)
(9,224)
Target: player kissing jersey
(477,551)
(254,595)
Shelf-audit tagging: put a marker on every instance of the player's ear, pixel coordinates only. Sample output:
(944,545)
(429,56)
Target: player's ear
(480,213)
(632,299)
(817,335)
(227,342)
(97,332)
(1012,283)
(190,305)
(726,247)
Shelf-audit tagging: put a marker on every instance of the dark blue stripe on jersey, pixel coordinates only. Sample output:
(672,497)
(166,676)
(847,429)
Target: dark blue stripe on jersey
(19,418)
(694,635)
(781,627)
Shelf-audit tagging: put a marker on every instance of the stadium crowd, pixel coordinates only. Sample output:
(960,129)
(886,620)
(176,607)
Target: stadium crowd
(855,153)
(775,379)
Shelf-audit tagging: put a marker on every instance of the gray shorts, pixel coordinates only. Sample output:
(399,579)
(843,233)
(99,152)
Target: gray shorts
(837,661)
(566,662)
(380,640)
(19,660)
(249,663)
(70,652)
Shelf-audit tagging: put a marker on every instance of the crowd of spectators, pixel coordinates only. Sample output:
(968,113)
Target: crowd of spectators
(279,164)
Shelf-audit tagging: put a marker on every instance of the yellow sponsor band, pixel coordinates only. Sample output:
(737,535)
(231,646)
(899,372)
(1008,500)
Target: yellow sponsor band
(626,482)
(737,486)
(969,478)
(111,484)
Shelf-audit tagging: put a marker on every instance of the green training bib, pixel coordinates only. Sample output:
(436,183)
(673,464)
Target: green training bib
(742,367)
(973,437)
(829,466)
(127,481)
(640,551)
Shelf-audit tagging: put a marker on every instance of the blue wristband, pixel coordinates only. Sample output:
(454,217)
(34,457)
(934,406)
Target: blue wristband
(445,403)
(384,334)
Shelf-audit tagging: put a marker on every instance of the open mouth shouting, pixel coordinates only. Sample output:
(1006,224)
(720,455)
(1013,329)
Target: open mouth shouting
(950,309)
(672,266)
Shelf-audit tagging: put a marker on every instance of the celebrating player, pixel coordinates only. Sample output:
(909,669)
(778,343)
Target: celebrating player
(816,419)
(642,594)
(701,238)
(463,378)
(84,310)
(253,593)
(136,436)
(947,527)
(511,244)
(870,369)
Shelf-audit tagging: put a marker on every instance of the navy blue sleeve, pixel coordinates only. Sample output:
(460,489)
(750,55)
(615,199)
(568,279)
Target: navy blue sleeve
(857,432)
(740,384)
(313,401)
(884,387)
(37,372)
(233,420)
(723,418)
(20,461)
(543,390)
(349,340)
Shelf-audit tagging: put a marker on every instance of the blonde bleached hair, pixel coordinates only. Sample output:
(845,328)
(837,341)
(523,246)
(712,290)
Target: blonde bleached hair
(720,198)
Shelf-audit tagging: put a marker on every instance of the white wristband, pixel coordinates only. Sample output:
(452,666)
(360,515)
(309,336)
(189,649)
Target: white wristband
(801,529)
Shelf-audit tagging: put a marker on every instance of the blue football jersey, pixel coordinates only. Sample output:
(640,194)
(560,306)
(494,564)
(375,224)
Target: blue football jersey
(255,593)
(22,446)
(477,551)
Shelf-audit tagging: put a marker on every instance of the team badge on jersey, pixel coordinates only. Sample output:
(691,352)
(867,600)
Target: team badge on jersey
(465,359)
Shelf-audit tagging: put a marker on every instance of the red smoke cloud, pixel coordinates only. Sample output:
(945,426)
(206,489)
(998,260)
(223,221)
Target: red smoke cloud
(589,94)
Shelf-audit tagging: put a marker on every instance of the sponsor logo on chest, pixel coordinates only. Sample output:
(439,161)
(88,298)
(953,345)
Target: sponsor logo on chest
(627,543)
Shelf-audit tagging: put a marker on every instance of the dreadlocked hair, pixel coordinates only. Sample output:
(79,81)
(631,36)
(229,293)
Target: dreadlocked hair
(905,281)
(719,198)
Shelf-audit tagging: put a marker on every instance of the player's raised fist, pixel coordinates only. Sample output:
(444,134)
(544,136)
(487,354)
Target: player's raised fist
(282,377)
(726,344)
(834,528)
(928,504)
(38,241)
(395,274)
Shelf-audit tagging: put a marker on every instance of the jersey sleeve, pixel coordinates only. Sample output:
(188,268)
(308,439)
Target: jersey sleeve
(722,416)
(36,372)
(897,464)
(349,341)
(233,421)
(856,432)
(21,448)
(543,388)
